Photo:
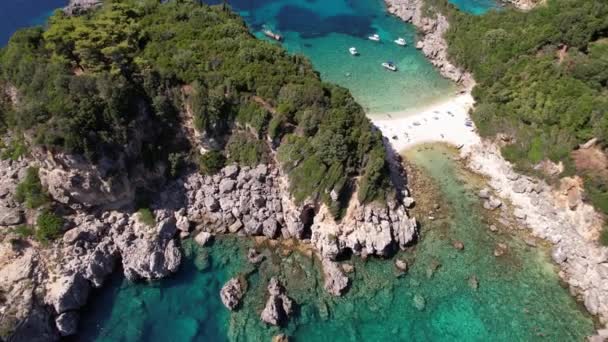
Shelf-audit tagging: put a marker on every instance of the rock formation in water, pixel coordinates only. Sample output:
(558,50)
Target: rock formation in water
(279,306)
(232,293)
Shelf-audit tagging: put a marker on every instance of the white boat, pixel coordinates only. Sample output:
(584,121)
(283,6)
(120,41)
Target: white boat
(275,36)
(374,37)
(353,51)
(389,66)
(400,41)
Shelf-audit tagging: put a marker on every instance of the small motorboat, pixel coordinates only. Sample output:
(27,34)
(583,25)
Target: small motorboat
(389,66)
(375,37)
(400,41)
(275,36)
(353,51)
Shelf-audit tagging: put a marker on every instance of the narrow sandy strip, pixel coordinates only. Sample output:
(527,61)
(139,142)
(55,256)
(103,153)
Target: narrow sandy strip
(441,122)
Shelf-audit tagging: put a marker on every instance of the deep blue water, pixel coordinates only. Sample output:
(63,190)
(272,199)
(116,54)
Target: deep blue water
(16,14)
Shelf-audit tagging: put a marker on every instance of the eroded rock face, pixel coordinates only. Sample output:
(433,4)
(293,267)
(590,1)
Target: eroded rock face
(72,180)
(232,293)
(256,201)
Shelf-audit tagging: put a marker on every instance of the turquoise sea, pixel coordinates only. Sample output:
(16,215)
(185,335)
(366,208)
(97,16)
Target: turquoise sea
(518,298)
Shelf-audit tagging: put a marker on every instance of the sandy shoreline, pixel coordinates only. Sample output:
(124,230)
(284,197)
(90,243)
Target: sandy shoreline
(440,122)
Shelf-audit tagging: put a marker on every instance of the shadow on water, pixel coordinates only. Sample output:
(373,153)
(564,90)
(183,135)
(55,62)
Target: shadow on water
(310,25)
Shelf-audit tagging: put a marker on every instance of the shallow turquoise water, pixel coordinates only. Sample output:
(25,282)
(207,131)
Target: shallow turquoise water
(519,296)
(476,7)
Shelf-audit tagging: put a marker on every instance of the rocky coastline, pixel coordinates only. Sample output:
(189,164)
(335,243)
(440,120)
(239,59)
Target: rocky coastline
(431,41)
(557,215)
(238,200)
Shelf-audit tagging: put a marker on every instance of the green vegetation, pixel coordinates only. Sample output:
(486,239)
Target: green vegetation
(211,162)
(24,231)
(85,82)
(146,217)
(245,150)
(542,77)
(15,150)
(30,190)
(49,227)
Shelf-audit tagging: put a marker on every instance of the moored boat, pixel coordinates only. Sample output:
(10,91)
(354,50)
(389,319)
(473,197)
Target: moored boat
(400,41)
(275,36)
(375,37)
(353,51)
(389,66)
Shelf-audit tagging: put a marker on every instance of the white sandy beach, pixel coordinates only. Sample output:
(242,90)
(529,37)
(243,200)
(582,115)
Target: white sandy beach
(441,122)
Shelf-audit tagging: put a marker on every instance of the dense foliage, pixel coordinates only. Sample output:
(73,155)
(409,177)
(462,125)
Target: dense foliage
(542,77)
(49,227)
(85,81)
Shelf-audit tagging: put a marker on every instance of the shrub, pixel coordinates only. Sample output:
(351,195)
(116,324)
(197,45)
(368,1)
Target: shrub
(15,150)
(49,227)
(247,151)
(211,162)
(146,217)
(24,231)
(30,190)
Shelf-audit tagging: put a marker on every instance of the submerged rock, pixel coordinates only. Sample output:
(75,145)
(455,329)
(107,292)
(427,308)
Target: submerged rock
(419,302)
(254,257)
(474,282)
(401,265)
(232,293)
(500,249)
(459,245)
(280,338)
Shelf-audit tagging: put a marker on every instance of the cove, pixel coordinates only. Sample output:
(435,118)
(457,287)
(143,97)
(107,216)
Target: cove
(517,298)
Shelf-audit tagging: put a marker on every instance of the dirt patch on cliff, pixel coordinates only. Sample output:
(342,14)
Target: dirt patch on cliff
(591,160)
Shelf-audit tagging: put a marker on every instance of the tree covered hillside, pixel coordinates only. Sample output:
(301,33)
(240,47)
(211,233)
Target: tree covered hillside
(542,77)
(85,82)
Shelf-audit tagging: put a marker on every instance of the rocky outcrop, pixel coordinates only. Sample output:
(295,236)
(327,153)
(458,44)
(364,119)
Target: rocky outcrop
(11,173)
(278,306)
(432,42)
(335,282)
(525,5)
(76,7)
(72,180)
(256,202)
(232,293)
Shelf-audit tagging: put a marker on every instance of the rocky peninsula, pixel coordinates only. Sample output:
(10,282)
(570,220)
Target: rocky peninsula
(99,224)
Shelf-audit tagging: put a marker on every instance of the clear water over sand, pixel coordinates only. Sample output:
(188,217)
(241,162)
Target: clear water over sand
(518,298)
